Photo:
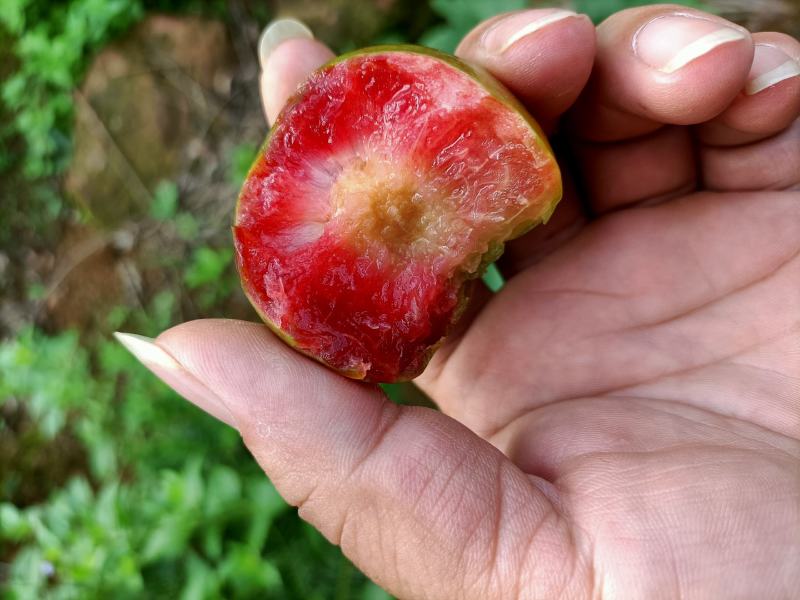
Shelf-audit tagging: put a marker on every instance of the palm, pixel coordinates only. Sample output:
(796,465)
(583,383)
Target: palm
(646,370)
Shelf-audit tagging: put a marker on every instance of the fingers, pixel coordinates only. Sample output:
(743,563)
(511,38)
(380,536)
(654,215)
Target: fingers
(755,143)
(650,167)
(661,64)
(656,66)
(772,164)
(422,505)
(770,100)
(544,56)
(288,53)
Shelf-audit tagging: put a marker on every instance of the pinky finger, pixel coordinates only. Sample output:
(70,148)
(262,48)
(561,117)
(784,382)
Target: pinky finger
(770,101)
(288,53)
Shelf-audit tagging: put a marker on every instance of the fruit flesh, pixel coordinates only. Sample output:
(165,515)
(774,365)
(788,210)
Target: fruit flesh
(384,185)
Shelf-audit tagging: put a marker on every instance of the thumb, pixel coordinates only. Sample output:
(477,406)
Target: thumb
(417,501)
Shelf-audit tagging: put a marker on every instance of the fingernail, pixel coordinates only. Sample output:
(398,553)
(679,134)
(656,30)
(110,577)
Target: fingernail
(171,372)
(278,32)
(771,65)
(670,42)
(509,30)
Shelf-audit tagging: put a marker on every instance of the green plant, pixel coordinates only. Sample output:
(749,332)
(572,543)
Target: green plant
(171,506)
(52,43)
(210,274)
(459,17)
(241,157)
(600,9)
(164,205)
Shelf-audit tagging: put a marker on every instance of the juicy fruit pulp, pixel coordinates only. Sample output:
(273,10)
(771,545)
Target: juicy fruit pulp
(390,180)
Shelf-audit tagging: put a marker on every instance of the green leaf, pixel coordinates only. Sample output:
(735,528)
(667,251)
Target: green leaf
(103,457)
(186,226)
(266,505)
(465,14)
(116,317)
(372,591)
(266,498)
(13,525)
(106,507)
(168,539)
(165,201)
(493,278)
(29,574)
(201,581)
(242,157)
(443,37)
(54,42)
(207,266)
(13,90)
(248,573)
(163,306)
(78,492)
(12,15)
(461,16)
(51,421)
(598,10)
(193,485)
(223,489)
(212,541)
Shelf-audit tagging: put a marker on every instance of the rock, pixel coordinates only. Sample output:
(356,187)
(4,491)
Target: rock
(143,99)
(84,284)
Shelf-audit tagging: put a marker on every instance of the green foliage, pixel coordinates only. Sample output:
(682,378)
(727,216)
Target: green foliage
(207,266)
(165,201)
(241,159)
(165,207)
(211,275)
(460,16)
(493,278)
(601,9)
(186,226)
(52,42)
(172,506)
(206,525)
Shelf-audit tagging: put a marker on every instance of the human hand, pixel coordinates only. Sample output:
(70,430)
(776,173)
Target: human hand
(623,418)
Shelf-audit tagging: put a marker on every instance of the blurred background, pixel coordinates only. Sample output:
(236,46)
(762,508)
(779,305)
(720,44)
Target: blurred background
(126,129)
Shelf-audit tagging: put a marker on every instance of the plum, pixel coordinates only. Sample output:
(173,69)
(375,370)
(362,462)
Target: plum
(388,183)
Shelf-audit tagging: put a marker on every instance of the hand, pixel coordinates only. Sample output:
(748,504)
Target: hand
(623,419)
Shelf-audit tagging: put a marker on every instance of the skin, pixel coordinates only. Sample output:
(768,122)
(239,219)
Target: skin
(623,419)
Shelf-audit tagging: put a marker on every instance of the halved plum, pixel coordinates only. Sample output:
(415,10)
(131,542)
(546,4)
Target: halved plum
(391,179)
